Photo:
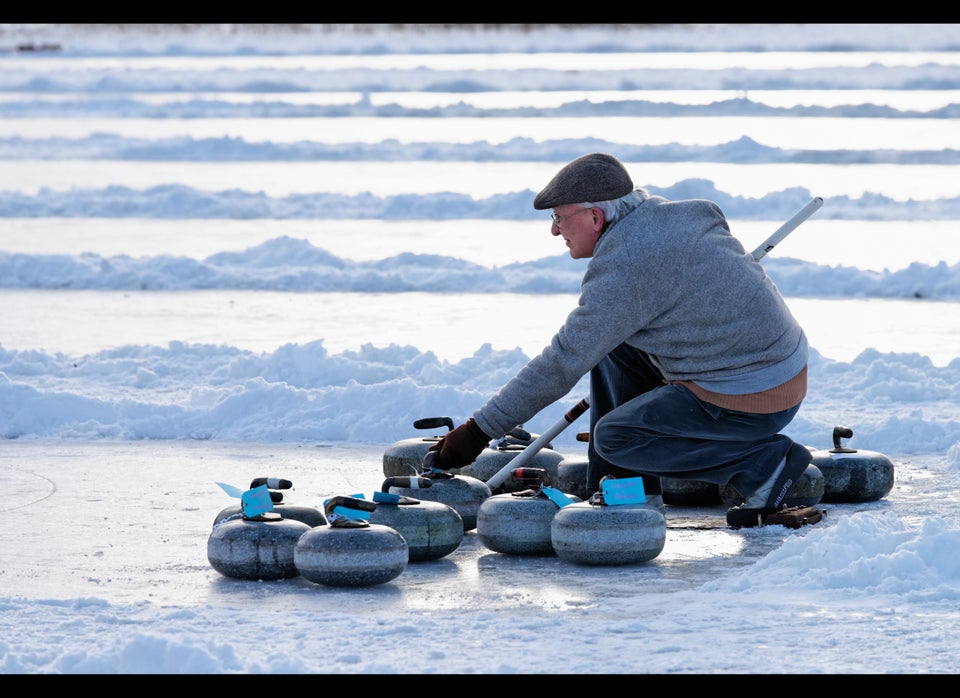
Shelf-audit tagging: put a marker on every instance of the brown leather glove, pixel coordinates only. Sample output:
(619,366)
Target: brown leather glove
(460,447)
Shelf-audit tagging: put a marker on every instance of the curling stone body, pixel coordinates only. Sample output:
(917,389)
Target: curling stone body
(857,476)
(405,457)
(461,492)
(518,523)
(255,548)
(570,476)
(431,529)
(492,460)
(351,557)
(689,493)
(597,534)
(807,491)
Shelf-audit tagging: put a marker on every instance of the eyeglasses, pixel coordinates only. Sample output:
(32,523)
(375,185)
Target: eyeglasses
(558,219)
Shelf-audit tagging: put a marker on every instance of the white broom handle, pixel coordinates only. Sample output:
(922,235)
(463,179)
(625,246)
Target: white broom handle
(787,228)
(530,451)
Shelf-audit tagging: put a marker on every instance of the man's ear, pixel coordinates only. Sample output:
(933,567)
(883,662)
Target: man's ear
(598,221)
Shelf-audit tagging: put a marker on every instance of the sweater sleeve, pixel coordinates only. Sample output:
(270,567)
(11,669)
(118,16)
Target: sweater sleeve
(607,314)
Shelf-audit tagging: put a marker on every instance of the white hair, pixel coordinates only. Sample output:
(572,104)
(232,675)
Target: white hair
(615,209)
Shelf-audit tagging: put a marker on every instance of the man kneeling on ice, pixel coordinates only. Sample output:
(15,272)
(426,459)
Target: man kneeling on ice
(696,363)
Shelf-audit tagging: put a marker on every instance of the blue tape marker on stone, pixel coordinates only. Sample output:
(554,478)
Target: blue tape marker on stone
(628,490)
(231,490)
(348,513)
(256,501)
(556,496)
(386,498)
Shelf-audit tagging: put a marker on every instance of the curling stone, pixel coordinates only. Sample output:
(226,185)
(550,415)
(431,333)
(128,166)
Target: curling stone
(571,476)
(258,547)
(494,458)
(851,475)
(689,493)
(487,463)
(807,491)
(308,515)
(350,552)
(461,492)
(431,529)
(603,531)
(518,523)
(406,456)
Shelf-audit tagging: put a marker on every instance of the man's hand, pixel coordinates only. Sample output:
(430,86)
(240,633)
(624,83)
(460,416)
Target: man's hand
(460,447)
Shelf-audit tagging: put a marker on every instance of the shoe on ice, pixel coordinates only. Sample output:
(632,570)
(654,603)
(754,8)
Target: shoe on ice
(770,495)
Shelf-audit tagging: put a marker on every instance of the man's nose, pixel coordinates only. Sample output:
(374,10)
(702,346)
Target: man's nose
(554,229)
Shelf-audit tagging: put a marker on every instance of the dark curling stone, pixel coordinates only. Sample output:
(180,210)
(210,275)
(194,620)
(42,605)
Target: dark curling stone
(597,533)
(350,552)
(259,547)
(570,476)
(405,457)
(518,523)
(689,493)
(431,529)
(461,492)
(851,475)
(807,491)
(494,458)
(593,534)
(308,515)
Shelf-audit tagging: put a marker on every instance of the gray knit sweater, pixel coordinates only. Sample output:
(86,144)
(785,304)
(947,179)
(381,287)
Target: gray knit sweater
(671,280)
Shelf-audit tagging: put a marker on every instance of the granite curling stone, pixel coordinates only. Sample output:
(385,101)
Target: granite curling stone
(571,476)
(518,523)
(461,492)
(350,551)
(689,493)
(431,529)
(259,547)
(405,457)
(597,532)
(496,457)
(853,475)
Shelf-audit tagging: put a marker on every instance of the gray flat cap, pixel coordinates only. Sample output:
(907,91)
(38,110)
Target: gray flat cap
(593,177)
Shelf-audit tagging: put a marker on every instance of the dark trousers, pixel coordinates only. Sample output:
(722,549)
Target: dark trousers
(640,426)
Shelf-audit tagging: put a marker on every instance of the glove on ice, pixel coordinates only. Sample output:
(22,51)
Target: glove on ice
(460,447)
